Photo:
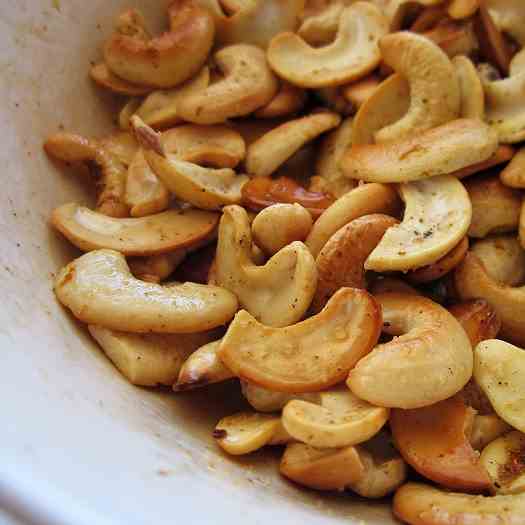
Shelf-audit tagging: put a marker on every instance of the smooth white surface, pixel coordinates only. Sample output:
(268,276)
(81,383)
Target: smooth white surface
(79,445)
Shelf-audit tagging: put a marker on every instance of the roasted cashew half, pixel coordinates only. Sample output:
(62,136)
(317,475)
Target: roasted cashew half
(513,175)
(167,60)
(352,55)
(430,362)
(310,355)
(99,289)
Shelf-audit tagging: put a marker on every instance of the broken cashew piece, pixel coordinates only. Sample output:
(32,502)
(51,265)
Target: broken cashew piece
(513,175)
(472,97)
(279,225)
(167,60)
(99,289)
(431,360)
(485,430)
(341,261)
(278,293)
(438,151)
(363,200)
(288,100)
(264,400)
(247,84)
(320,28)
(352,55)
(152,235)
(111,184)
(437,217)
(341,420)
(103,76)
(156,268)
(310,355)
(434,89)
(420,504)
(499,369)
(148,359)
(266,154)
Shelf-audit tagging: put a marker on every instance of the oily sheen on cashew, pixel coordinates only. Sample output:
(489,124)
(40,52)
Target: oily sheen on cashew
(167,60)
(431,359)
(266,154)
(352,54)
(246,84)
(437,217)
(148,359)
(434,89)
(99,289)
(276,294)
(341,261)
(155,234)
(310,355)
(438,151)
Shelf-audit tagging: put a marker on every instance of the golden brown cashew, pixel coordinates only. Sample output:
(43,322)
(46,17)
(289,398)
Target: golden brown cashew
(320,28)
(459,9)
(103,76)
(122,144)
(363,200)
(269,152)
(341,261)
(437,216)
(156,268)
(357,93)
(99,289)
(495,208)
(310,355)
(127,111)
(398,10)
(155,234)
(391,285)
(454,38)
(503,154)
(513,175)
(472,98)
(264,400)
(167,60)
(486,429)
(247,84)
(352,55)
(148,359)
(438,151)
(289,99)
(112,179)
(434,89)
(430,362)
(473,282)
(278,293)
(420,504)
(279,225)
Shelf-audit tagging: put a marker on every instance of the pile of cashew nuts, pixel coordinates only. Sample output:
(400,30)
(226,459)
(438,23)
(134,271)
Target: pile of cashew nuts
(321,201)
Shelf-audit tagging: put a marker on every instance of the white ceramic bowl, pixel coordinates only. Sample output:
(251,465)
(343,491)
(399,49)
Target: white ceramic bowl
(78,444)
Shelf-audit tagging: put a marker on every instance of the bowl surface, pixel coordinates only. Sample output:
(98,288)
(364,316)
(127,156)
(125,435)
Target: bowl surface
(79,445)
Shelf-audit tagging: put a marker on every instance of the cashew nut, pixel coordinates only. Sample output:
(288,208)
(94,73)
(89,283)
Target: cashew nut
(513,175)
(155,234)
(122,144)
(504,153)
(437,217)
(148,359)
(363,200)
(499,369)
(278,293)
(266,154)
(357,93)
(320,28)
(289,99)
(341,261)
(127,111)
(279,225)
(459,9)
(430,362)
(485,430)
(472,97)
(509,16)
(247,84)
(398,10)
(102,75)
(99,289)
(308,356)
(391,285)
(438,151)
(434,89)
(264,400)
(167,60)
(156,268)
(341,420)
(454,38)
(352,55)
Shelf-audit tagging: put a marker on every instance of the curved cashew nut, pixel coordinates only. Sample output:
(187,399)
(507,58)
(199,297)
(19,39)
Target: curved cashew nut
(148,359)
(437,217)
(167,60)
(278,293)
(152,235)
(247,84)
(352,55)
(438,151)
(434,89)
(156,268)
(289,99)
(320,28)
(341,420)
(310,355)
(473,282)
(267,153)
(279,225)
(104,77)
(341,261)
(472,97)
(99,289)
(430,362)
(112,181)
(513,175)
(363,200)
(264,400)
